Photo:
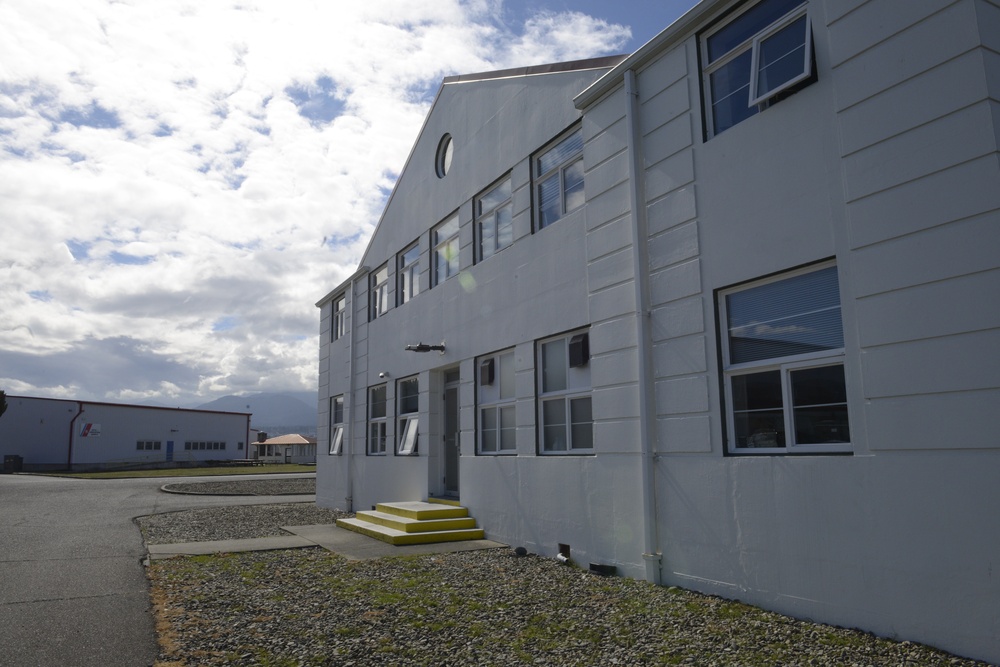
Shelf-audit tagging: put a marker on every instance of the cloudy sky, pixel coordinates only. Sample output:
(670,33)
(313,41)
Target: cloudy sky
(181,180)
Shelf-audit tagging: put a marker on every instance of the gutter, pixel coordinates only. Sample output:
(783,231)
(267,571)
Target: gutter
(640,263)
(347,445)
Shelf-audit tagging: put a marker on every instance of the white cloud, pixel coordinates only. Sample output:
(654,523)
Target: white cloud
(157,177)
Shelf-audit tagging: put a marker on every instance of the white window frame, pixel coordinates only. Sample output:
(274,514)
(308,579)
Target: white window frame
(557,171)
(339,317)
(336,425)
(755,102)
(379,292)
(376,445)
(446,249)
(408,421)
(498,398)
(577,388)
(785,366)
(408,273)
(490,219)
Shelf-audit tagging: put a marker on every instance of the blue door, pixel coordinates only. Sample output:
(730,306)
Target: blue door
(170,450)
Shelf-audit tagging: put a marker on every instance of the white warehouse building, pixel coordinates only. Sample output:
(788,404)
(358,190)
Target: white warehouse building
(722,314)
(59,434)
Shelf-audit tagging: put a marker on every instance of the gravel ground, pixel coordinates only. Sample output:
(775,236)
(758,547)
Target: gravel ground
(490,607)
(248,487)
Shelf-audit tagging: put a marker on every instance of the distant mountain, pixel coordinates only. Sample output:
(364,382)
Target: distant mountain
(276,414)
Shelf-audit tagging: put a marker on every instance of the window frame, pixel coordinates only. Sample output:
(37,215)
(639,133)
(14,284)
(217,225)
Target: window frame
(540,178)
(491,217)
(339,315)
(785,365)
(336,425)
(446,248)
(497,402)
(376,424)
(409,271)
(407,436)
(578,386)
(378,294)
(752,44)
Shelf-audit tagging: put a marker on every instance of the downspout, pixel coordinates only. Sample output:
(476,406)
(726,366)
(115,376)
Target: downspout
(640,262)
(72,432)
(346,445)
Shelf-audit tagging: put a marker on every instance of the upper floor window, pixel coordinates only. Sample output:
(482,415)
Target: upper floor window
(445,240)
(495,383)
(407,402)
(783,357)
(494,223)
(376,420)
(564,406)
(336,424)
(339,317)
(760,52)
(409,273)
(558,178)
(379,292)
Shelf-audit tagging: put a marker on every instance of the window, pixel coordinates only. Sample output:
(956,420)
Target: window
(336,425)
(443,156)
(409,273)
(379,292)
(754,56)
(376,420)
(407,402)
(494,225)
(558,174)
(495,382)
(445,239)
(564,409)
(339,317)
(783,358)
(147,445)
(204,446)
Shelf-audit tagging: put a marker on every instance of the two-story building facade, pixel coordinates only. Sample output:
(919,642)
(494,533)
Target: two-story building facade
(721,313)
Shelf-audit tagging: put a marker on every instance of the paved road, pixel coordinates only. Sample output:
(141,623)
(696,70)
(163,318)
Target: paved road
(72,586)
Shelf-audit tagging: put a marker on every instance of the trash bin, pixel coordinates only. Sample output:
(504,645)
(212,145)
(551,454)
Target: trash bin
(12,463)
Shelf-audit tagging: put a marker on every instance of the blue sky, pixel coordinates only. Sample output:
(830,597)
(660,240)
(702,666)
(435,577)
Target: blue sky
(181,181)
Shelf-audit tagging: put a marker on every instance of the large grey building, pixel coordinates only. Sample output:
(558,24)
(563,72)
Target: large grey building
(60,434)
(721,313)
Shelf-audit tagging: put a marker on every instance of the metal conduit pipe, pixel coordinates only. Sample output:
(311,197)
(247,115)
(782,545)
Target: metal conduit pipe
(640,262)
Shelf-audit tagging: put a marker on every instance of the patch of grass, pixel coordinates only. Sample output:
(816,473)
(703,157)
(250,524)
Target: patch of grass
(191,472)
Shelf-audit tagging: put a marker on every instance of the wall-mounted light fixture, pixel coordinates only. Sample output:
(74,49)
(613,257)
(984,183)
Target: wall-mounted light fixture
(424,347)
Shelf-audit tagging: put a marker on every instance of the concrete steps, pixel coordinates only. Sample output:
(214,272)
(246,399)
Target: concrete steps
(415,523)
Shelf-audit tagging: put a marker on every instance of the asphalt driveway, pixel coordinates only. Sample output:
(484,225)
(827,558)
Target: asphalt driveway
(72,586)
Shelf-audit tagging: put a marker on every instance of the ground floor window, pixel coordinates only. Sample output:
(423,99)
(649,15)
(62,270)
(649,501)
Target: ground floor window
(376,420)
(497,432)
(566,424)
(147,445)
(783,353)
(204,446)
(336,425)
(408,408)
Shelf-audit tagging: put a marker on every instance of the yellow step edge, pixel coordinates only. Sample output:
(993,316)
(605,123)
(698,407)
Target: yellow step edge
(408,525)
(399,538)
(421,510)
(445,501)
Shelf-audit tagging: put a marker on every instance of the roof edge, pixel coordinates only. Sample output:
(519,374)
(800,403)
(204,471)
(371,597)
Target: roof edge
(670,36)
(548,68)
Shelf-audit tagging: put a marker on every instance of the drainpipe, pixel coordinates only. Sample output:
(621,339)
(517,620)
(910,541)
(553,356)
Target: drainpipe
(346,445)
(640,262)
(72,432)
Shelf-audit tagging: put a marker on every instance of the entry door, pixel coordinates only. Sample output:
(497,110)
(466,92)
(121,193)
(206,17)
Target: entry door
(170,450)
(451,440)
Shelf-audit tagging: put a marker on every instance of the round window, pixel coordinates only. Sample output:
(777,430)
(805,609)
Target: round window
(442,162)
